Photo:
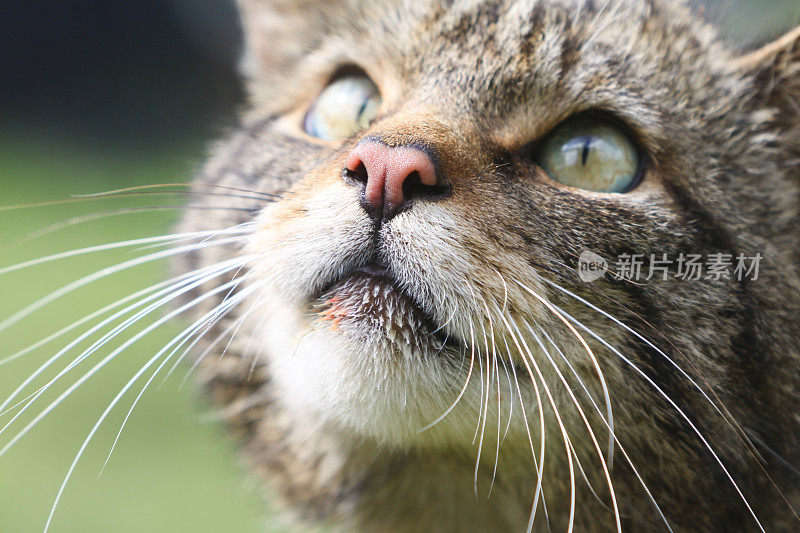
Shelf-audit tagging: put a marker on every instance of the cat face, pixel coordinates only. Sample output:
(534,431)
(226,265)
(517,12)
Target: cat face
(438,170)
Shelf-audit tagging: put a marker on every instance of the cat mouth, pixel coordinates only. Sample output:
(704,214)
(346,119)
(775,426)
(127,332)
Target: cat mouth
(369,299)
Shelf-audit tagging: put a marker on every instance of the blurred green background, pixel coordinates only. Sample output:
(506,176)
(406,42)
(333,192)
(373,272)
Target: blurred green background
(98,95)
(105,94)
(172,471)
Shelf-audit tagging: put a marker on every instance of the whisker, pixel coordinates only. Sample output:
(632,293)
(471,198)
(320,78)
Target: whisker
(581,413)
(480,410)
(539,469)
(586,478)
(602,418)
(674,406)
(105,272)
(103,194)
(92,217)
(88,318)
(610,413)
(236,230)
(200,358)
(24,400)
(502,311)
(78,199)
(149,329)
(230,330)
(165,194)
(538,490)
(446,323)
(212,316)
(510,397)
(793,469)
(171,293)
(530,358)
(495,375)
(485,409)
(113,403)
(464,388)
(496,372)
(257,353)
(210,325)
(721,409)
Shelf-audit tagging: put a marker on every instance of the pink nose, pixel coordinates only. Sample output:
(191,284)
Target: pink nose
(392,175)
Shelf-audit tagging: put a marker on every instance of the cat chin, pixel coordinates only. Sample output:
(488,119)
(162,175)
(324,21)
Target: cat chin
(372,388)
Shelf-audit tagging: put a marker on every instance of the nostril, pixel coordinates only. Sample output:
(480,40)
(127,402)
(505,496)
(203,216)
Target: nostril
(413,187)
(359,173)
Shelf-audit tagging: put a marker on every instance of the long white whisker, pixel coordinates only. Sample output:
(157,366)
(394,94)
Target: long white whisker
(190,281)
(630,330)
(235,326)
(208,326)
(600,413)
(495,375)
(207,238)
(538,491)
(606,394)
(86,280)
(480,410)
(489,375)
(88,318)
(106,360)
(199,359)
(212,316)
(121,393)
(11,408)
(236,230)
(499,413)
(562,427)
(96,346)
(568,389)
(677,409)
(463,389)
(586,478)
(510,397)
(257,353)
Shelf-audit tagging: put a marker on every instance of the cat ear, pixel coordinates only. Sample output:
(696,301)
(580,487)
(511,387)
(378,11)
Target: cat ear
(775,69)
(278,33)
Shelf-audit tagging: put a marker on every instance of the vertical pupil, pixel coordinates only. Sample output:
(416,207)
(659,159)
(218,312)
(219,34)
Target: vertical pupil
(362,108)
(587,148)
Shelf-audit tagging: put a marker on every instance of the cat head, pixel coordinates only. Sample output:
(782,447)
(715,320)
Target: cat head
(441,170)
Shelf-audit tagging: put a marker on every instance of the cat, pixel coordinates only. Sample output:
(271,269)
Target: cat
(431,361)
(432,325)
(428,359)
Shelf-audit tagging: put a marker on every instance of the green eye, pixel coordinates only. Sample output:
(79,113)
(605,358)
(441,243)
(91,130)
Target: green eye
(344,108)
(592,154)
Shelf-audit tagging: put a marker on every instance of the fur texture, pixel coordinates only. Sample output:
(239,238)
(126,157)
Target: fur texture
(332,415)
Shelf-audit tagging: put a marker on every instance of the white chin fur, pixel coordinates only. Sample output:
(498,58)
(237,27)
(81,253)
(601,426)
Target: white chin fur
(364,385)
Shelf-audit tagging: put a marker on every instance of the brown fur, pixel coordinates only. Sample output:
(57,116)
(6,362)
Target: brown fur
(477,81)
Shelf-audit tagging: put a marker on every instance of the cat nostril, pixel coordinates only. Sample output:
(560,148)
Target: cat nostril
(392,176)
(358,174)
(413,187)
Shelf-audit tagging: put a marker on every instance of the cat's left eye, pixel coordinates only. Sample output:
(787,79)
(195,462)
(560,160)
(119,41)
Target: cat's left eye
(346,106)
(591,153)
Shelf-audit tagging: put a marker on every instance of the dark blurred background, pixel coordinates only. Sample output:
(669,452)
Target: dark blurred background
(123,73)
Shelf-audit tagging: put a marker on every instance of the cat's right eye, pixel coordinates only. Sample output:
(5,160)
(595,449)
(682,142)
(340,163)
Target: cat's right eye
(345,107)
